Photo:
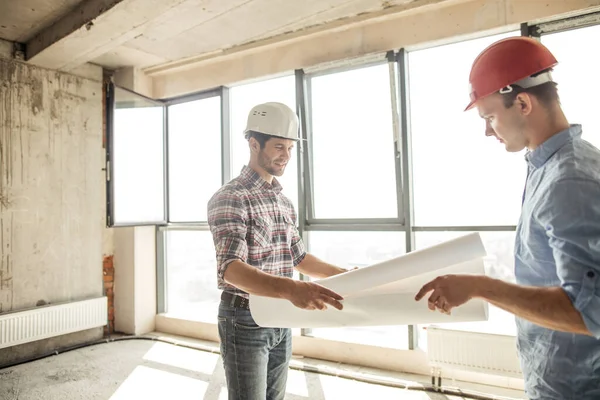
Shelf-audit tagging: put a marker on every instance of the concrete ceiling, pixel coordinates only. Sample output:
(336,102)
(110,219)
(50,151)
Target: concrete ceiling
(142,33)
(20,20)
(198,27)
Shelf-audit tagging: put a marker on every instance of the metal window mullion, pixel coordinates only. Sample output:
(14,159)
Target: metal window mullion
(356,228)
(226,147)
(308,150)
(404,151)
(304,182)
(109,165)
(396,129)
(353,221)
(301,148)
(161,271)
(187,226)
(404,147)
(166,180)
(475,228)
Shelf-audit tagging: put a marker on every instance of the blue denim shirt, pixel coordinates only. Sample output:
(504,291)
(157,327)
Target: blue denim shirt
(558,245)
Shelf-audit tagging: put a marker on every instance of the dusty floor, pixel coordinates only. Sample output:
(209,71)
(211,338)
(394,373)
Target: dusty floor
(144,370)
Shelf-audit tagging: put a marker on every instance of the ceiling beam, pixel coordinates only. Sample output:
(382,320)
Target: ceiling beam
(92,29)
(436,24)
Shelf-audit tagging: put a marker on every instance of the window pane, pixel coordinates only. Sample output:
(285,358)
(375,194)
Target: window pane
(137,159)
(353,145)
(192,276)
(574,49)
(360,249)
(460,176)
(242,99)
(499,264)
(194,157)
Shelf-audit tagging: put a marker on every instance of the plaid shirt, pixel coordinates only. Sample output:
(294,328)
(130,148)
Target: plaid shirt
(252,221)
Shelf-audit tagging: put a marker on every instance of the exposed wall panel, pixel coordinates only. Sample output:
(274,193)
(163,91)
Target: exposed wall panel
(51,183)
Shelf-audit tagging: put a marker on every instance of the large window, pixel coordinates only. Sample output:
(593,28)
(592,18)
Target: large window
(136,160)
(499,264)
(461,177)
(243,98)
(357,180)
(574,50)
(360,249)
(352,144)
(191,275)
(194,157)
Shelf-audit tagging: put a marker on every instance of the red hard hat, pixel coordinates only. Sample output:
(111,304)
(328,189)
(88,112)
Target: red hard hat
(507,62)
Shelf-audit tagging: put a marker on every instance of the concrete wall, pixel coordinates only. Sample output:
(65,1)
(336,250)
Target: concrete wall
(51,193)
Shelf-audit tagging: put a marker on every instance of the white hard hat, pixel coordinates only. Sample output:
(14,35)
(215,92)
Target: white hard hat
(273,119)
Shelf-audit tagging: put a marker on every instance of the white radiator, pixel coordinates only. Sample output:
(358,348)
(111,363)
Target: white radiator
(471,351)
(44,322)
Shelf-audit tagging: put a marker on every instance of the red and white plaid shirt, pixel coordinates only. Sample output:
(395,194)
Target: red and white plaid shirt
(252,221)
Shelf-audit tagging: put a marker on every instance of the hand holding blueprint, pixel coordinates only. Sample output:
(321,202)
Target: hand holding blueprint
(384,293)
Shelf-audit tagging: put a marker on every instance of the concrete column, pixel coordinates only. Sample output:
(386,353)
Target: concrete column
(135,251)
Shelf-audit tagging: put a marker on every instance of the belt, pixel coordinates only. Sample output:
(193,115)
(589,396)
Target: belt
(233,300)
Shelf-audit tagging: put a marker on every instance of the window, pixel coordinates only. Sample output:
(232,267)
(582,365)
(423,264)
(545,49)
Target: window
(243,98)
(192,275)
(460,176)
(576,49)
(194,157)
(353,144)
(136,160)
(498,264)
(360,249)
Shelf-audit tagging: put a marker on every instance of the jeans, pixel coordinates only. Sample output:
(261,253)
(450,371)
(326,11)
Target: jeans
(255,359)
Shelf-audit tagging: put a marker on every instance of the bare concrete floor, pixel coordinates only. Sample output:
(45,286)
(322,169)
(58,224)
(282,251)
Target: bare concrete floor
(136,369)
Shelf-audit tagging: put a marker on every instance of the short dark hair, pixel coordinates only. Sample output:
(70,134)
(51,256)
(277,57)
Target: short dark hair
(546,93)
(261,138)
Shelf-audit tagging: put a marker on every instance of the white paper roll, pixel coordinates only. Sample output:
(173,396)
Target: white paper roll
(383,293)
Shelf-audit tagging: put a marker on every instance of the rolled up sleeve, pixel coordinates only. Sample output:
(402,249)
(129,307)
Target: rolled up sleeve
(570,214)
(227,221)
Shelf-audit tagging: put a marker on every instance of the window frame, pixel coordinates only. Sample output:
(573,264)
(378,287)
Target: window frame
(110,162)
(221,92)
(350,224)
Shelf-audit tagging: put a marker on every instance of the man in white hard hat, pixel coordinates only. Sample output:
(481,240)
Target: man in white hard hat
(258,246)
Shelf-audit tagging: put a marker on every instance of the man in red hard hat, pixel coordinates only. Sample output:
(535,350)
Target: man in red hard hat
(556,300)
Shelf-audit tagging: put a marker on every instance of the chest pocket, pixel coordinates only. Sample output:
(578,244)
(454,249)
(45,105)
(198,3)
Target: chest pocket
(260,232)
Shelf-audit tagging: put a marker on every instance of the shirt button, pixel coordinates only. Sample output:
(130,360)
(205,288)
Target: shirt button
(590,274)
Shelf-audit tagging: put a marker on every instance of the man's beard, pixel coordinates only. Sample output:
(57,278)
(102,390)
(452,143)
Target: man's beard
(266,165)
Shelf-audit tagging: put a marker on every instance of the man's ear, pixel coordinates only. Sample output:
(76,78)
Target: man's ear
(254,145)
(525,103)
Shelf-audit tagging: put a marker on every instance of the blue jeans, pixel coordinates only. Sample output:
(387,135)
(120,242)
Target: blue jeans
(255,359)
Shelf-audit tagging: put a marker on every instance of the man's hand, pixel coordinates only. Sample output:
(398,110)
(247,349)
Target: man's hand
(344,270)
(448,291)
(312,296)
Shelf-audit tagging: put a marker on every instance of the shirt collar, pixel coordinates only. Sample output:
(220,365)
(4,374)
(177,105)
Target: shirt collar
(251,179)
(543,152)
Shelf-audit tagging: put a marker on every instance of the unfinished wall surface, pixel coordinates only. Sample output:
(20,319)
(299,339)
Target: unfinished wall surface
(51,192)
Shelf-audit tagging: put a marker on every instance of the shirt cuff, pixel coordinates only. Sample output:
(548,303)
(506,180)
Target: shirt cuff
(587,300)
(224,265)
